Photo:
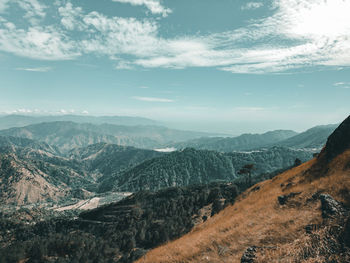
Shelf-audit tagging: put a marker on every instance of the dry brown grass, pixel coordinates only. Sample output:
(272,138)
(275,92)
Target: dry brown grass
(257,219)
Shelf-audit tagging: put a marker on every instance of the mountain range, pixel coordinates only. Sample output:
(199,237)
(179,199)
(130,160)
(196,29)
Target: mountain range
(299,215)
(312,139)
(69,135)
(76,161)
(13,120)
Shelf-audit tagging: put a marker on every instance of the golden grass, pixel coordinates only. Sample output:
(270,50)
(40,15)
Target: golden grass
(257,219)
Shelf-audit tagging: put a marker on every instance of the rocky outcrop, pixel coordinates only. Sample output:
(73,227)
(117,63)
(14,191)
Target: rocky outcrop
(338,141)
(330,207)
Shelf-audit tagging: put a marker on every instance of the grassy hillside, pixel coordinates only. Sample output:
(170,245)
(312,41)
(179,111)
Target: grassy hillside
(279,220)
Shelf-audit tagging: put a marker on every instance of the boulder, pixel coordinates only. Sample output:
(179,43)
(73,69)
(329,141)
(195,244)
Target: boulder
(329,206)
(249,255)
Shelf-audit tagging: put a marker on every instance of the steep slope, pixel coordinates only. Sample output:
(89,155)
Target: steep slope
(107,161)
(69,135)
(178,169)
(22,183)
(192,166)
(291,218)
(9,143)
(243,142)
(11,121)
(31,172)
(338,141)
(35,167)
(314,138)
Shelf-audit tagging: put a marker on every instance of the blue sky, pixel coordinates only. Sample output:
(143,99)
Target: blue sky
(226,66)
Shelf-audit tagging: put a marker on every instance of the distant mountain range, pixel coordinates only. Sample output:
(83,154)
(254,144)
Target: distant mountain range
(69,135)
(10,121)
(243,142)
(34,172)
(312,139)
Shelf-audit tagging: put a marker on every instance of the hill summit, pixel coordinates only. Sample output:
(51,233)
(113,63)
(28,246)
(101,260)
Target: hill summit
(338,141)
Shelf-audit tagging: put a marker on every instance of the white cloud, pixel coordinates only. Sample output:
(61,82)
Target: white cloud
(249,109)
(154,6)
(70,16)
(46,43)
(342,85)
(252,5)
(40,69)
(34,10)
(3,5)
(312,33)
(299,34)
(65,112)
(152,99)
(166,150)
(124,65)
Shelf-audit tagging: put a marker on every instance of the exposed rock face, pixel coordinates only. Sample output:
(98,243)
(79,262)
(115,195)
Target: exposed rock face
(249,255)
(329,206)
(22,183)
(338,141)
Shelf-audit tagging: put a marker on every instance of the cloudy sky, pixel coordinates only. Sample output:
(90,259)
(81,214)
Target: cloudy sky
(230,65)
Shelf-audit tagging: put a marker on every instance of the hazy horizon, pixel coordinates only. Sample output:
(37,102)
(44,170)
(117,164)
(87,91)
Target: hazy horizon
(222,129)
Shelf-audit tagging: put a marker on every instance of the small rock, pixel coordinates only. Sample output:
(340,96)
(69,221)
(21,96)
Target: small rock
(311,228)
(249,255)
(282,199)
(256,188)
(329,206)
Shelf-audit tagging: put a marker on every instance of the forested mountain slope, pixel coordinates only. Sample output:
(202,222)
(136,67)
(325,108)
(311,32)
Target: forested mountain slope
(191,166)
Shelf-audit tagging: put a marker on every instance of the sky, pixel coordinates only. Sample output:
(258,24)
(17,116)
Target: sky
(228,66)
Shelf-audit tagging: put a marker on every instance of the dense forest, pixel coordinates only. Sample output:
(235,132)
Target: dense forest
(119,232)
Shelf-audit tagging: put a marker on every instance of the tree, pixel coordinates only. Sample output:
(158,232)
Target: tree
(297,162)
(247,170)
